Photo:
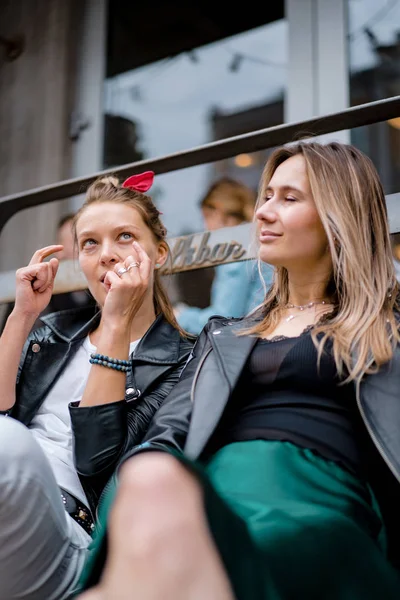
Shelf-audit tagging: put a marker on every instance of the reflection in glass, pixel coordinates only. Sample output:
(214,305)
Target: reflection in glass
(225,88)
(374,53)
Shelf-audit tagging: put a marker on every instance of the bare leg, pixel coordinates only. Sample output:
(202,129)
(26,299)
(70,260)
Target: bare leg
(160,545)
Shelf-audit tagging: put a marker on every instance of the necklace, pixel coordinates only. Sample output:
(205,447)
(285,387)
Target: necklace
(304,307)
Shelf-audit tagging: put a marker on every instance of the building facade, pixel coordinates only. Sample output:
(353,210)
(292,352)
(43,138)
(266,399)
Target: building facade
(98,82)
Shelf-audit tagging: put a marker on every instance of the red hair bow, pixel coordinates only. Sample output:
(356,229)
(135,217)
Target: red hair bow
(141,182)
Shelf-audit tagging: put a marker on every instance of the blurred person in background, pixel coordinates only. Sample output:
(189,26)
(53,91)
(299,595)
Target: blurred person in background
(79,298)
(237,288)
(81,390)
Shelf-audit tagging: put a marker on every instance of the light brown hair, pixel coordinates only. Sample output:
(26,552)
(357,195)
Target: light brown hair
(236,199)
(350,201)
(108,189)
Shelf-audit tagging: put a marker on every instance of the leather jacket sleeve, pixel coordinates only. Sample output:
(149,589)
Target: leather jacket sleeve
(103,433)
(33,336)
(170,426)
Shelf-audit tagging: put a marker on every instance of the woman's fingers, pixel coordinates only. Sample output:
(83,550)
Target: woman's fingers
(128,271)
(33,273)
(119,266)
(43,278)
(111,279)
(41,274)
(51,267)
(133,266)
(43,253)
(54,264)
(133,272)
(144,261)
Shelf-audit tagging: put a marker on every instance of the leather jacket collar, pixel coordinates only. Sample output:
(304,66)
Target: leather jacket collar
(162,348)
(72,324)
(49,349)
(75,324)
(223,341)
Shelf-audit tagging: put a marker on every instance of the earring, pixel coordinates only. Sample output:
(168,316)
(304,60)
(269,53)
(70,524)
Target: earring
(158,265)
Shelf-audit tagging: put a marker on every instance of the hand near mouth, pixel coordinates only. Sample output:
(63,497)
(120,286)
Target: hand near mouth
(126,287)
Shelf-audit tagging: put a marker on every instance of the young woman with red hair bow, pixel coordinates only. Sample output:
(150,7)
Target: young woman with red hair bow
(86,388)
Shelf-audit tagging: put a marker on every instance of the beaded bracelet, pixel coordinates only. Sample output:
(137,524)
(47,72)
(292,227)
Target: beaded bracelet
(112,363)
(115,361)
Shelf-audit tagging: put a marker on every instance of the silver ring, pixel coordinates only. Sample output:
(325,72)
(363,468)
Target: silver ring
(134,264)
(121,271)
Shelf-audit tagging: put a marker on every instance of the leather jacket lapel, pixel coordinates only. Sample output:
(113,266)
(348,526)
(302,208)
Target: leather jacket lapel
(157,352)
(216,377)
(232,351)
(43,365)
(73,324)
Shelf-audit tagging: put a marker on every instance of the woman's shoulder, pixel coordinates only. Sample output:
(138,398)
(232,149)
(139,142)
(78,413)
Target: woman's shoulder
(218,321)
(187,343)
(65,325)
(164,341)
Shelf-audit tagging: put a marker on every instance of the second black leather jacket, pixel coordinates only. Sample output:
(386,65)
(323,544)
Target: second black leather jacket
(102,433)
(191,413)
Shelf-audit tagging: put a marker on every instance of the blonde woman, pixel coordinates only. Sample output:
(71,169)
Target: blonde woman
(89,381)
(291,417)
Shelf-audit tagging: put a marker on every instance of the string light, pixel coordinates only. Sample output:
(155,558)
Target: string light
(239,57)
(234,65)
(378,16)
(243,160)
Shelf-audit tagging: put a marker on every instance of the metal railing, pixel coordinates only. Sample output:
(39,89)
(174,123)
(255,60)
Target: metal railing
(203,249)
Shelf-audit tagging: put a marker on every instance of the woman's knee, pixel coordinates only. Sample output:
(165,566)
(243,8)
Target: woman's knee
(156,475)
(160,501)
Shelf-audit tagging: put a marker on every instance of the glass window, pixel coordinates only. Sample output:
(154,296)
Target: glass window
(374,55)
(223,84)
(211,92)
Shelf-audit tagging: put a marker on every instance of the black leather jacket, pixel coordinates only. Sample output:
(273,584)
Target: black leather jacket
(192,411)
(102,433)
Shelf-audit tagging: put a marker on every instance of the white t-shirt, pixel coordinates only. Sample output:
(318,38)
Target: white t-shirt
(51,425)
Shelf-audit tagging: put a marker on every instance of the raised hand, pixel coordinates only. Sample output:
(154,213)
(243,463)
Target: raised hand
(127,286)
(34,283)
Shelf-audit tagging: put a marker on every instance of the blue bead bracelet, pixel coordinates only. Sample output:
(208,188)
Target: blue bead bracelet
(112,363)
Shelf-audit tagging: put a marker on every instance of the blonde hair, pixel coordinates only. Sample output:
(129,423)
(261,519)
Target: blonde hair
(350,201)
(237,199)
(108,189)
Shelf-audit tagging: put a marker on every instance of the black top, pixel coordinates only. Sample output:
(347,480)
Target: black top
(282,394)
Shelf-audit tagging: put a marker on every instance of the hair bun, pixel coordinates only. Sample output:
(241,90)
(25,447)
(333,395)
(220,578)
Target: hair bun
(110,180)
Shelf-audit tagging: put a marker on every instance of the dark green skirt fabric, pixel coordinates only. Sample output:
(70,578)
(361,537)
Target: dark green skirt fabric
(288,525)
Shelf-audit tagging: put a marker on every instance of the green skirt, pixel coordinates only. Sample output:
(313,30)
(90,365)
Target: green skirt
(288,525)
